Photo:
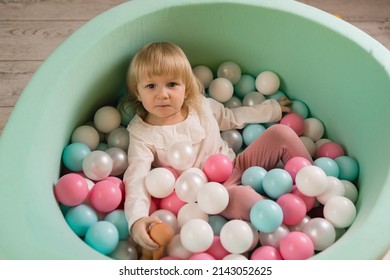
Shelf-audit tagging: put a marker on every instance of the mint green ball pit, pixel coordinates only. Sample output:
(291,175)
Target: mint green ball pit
(341,73)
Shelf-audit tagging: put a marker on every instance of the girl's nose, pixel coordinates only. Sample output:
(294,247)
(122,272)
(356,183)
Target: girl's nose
(163,93)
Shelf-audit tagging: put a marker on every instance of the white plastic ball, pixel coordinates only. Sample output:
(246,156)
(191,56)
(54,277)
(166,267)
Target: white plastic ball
(321,232)
(273,238)
(253,98)
(160,182)
(351,191)
(311,180)
(335,188)
(321,142)
(197,171)
(236,236)
(188,185)
(229,70)
(233,102)
(213,198)
(235,257)
(196,235)
(309,144)
(204,75)
(190,211)
(107,118)
(313,128)
(119,159)
(221,89)
(340,211)
(167,217)
(175,249)
(301,225)
(267,82)
(97,165)
(119,138)
(86,134)
(181,155)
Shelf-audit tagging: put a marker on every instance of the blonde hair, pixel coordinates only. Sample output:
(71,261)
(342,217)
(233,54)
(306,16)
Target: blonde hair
(161,58)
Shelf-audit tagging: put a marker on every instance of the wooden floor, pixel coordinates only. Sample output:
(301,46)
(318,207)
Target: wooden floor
(31,29)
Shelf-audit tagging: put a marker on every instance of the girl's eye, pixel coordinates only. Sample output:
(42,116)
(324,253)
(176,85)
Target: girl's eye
(151,86)
(172,84)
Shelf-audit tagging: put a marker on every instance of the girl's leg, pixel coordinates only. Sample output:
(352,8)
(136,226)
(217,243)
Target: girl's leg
(278,142)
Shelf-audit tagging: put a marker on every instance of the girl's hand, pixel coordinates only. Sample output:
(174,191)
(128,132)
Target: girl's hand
(140,232)
(284,102)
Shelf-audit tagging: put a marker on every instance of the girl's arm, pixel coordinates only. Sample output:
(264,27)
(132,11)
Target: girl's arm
(268,111)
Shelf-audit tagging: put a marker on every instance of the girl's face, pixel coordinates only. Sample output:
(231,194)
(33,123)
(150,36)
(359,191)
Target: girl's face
(163,97)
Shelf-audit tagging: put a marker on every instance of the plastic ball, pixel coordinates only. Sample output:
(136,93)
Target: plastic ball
(103,237)
(266,215)
(254,176)
(106,119)
(266,253)
(331,150)
(277,95)
(340,211)
(273,238)
(277,182)
(74,154)
(119,161)
(216,222)
(80,218)
(321,232)
(267,82)
(105,196)
(236,236)
(308,200)
(293,165)
(235,257)
(97,165)
(245,85)
(216,249)
(300,108)
(87,135)
(197,171)
(212,198)
(310,145)
(233,138)
(311,180)
(335,188)
(127,113)
(119,138)
(191,211)
(293,208)
(201,256)
(71,189)
(351,191)
(233,102)
(172,203)
(167,217)
(188,185)
(218,168)
(221,89)
(159,182)
(313,128)
(349,168)
(175,249)
(125,251)
(181,155)
(296,246)
(321,142)
(204,75)
(294,121)
(329,166)
(253,98)
(196,235)
(118,219)
(301,225)
(120,185)
(251,132)
(229,70)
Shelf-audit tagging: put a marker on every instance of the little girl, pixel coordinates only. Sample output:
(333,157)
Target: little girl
(171,107)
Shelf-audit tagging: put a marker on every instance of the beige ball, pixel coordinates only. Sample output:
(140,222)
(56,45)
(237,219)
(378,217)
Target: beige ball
(86,134)
(107,118)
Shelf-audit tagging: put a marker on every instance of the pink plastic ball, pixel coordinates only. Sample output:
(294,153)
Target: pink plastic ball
(105,196)
(71,189)
(218,168)
(121,186)
(295,122)
(293,207)
(266,253)
(172,203)
(201,256)
(216,249)
(295,164)
(331,150)
(296,246)
(308,200)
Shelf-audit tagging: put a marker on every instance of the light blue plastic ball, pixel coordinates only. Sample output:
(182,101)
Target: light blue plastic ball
(74,154)
(80,218)
(118,219)
(245,85)
(266,215)
(216,222)
(349,168)
(277,182)
(251,132)
(328,165)
(300,108)
(253,176)
(277,95)
(103,237)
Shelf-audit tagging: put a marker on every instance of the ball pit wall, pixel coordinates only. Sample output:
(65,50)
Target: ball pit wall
(341,73)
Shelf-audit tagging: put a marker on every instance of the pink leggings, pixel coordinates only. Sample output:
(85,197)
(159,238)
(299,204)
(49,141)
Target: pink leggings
(278,142)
